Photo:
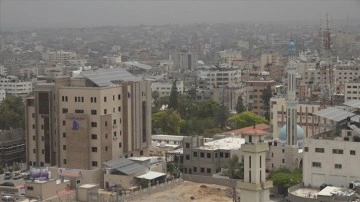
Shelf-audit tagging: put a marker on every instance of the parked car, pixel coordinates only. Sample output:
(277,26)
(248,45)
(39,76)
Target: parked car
(7,176)
(7,184)
(17,175)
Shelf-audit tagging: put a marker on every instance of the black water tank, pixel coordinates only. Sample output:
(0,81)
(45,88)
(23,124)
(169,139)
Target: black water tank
(351,185)
(322,186)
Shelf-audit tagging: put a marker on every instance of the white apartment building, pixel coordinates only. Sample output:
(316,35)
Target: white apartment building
(220,77)
(346,73)
(164,87)
(352,90)
(112,60)
(13,86)
(58,56)
(228,56)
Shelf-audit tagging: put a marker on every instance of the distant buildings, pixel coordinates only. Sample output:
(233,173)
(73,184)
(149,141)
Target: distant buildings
(352,90)
(254,92)
(14,86)
(108,111)
(58,56)
(164,87)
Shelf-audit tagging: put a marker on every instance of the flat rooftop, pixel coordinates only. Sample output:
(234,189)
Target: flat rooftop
(229,143)
(306,192)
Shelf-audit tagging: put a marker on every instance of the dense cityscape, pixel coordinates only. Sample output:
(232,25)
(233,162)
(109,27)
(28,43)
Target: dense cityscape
(241,111)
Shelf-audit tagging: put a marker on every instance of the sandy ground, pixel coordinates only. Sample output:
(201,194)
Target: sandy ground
(184,191)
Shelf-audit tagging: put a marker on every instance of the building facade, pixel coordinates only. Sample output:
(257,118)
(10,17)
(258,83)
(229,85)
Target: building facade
(352,90)
(185,60)
(110,119)
(14,86)
(253,98)
(58,56)
(164,87)
(12,147)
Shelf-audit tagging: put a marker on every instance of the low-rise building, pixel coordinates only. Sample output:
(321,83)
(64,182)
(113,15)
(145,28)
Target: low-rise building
(352,90)
(164,87)
(12,147)
(14,86)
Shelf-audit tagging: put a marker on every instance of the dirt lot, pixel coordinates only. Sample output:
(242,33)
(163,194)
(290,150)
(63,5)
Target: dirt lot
(188,190)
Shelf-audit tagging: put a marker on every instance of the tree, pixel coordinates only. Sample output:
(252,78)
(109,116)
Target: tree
(246,119)
(266,96)
(12,113)
(220,116)
(240,105)
(210,132)
(168,121)
(173,101)
(233,168)
(284,179)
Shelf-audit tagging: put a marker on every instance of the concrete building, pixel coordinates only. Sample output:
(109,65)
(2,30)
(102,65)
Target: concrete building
(113,59)
(228,96)
(253,98)
(255,187)
(58,56)
(207,158)
(270,59)
(185,60)
(228,56)
(107,110)
(14,86)
(352,90)
(344,74)
(3,71)
(217,77)
(164,87)
(12,147)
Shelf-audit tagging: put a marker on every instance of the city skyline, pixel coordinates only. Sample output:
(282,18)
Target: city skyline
(68,14)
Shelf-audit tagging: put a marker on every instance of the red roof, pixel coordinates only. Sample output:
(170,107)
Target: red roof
(259,128)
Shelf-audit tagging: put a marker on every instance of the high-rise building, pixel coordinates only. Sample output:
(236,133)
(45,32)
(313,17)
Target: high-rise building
(185,60)
(82,122)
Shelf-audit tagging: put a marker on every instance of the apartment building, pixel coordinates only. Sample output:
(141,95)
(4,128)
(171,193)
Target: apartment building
(14,86)
(253,98)
(84,121)
(207,158)
(164,87)
(58,56)
(219,77)
(345,74)
(12,147)
(185,60)
(270,59)
(352,90)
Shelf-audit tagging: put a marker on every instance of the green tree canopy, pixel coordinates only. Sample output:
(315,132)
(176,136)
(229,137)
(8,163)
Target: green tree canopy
(12,113)
(168,121)
(173,101)
(285,177)
(233,168)
(246,119)
(240,105)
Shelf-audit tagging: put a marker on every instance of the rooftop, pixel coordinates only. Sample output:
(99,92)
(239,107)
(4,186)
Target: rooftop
(109,77)
(229,143)
(167,137)
(261,126)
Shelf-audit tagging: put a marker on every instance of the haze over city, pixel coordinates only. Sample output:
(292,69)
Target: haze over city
(59,14)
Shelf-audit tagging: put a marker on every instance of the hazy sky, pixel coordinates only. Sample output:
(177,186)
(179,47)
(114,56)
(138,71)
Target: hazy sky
(84,13)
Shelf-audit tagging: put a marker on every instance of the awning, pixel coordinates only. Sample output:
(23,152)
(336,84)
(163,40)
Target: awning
(151,175)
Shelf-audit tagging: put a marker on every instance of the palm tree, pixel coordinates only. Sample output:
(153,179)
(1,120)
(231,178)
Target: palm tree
(233,168)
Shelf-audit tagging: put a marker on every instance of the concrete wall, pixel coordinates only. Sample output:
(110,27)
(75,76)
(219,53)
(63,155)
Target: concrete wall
(206,179)
(295,198)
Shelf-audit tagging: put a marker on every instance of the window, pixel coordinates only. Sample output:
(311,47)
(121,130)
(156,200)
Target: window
(33,126)
(338,166)
(195,154)
(221,154)
(105,111)
(249,161)
(94,136)
(94,163)
(187,157)
(202,154)
(64,123)
(105,123)
(79,111)
(106,148)
(338,151)
(64,110)
(202,170)
(316,164)
(119,97)
(352,152)
(195,169)
(227,155)
(283,160)
(29,188)
(208,170)
(283,150)
(208,155)
(94,124)
(141,152)
(64,147)
(93,112)
(120,145)
(105,99)
(260,161)
(306,149)
(64,135)
(319,150)
(94,149)
(187,145)
(119,109)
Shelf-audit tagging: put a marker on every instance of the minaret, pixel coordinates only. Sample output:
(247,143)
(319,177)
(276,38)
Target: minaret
(291,102)
(255,187)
